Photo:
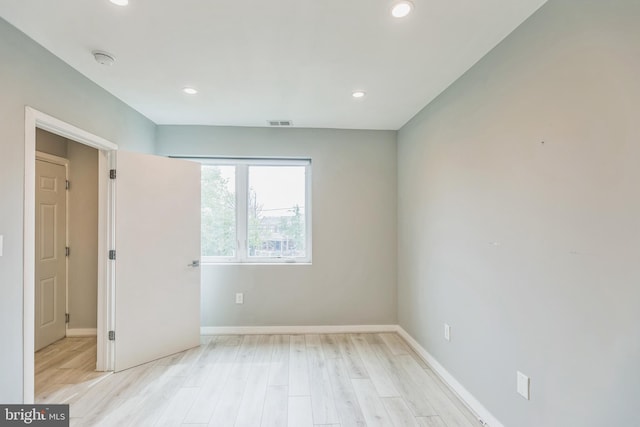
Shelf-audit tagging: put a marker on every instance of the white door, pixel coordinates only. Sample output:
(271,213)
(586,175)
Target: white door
(157,302)
(51,268)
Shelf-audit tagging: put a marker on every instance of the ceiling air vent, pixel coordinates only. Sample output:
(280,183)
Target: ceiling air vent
(280,123)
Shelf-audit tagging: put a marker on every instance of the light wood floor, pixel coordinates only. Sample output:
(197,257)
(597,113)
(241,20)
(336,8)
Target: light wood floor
(255,380)
(65,366)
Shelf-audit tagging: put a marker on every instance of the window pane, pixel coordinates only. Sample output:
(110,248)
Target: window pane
(276,212)
(218,211)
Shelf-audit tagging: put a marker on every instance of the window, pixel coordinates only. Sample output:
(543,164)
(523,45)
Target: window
(256,210)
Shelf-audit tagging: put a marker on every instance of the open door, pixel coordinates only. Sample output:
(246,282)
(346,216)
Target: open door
(157,226)
(51,265)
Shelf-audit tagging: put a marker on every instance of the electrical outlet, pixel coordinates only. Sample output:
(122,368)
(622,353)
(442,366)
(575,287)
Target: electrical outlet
(447,332)
(522,385)
(239,298)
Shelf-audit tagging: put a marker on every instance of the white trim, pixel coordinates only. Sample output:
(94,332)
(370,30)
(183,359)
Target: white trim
(82,332)
(463,394)
(40,155)
(308,179)
(57,126)
(249,161)
(36,119)
(271,330)
(242,214)
(28,275)
(106,240)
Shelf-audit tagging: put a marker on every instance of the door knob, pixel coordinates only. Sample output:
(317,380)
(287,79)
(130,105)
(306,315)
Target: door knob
(194,263)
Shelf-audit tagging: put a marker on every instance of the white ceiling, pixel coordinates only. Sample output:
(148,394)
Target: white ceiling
(256,60)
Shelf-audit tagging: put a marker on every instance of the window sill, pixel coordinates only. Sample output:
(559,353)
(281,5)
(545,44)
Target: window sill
(248,264)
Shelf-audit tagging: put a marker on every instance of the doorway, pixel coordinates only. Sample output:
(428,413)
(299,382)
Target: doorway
(37,120)
(66,267)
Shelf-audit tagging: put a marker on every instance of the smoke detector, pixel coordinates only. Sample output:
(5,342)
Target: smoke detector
(103,58)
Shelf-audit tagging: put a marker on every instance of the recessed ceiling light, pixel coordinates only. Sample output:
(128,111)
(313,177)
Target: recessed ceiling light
(401,8)
(120,2)
(358,93)
(189,91)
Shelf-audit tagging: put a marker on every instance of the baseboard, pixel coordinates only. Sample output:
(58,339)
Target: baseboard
(82,332)
(474,404)
(271,330)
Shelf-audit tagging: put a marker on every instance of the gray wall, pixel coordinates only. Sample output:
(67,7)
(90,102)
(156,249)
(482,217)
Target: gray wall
(353,276)
(30,75)
(83,236)
(530,250)
(50,143)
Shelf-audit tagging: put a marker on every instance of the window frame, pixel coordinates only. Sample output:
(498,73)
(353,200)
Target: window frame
(242,214)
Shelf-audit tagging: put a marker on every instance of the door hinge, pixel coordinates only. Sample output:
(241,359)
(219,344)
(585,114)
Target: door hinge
(112,335)
(66,318)
(67,251)
(67,184)
(112,174)
(112,254)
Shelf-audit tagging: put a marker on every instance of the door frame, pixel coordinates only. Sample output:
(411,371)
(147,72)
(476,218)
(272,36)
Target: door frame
(60,161)
(106,239)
